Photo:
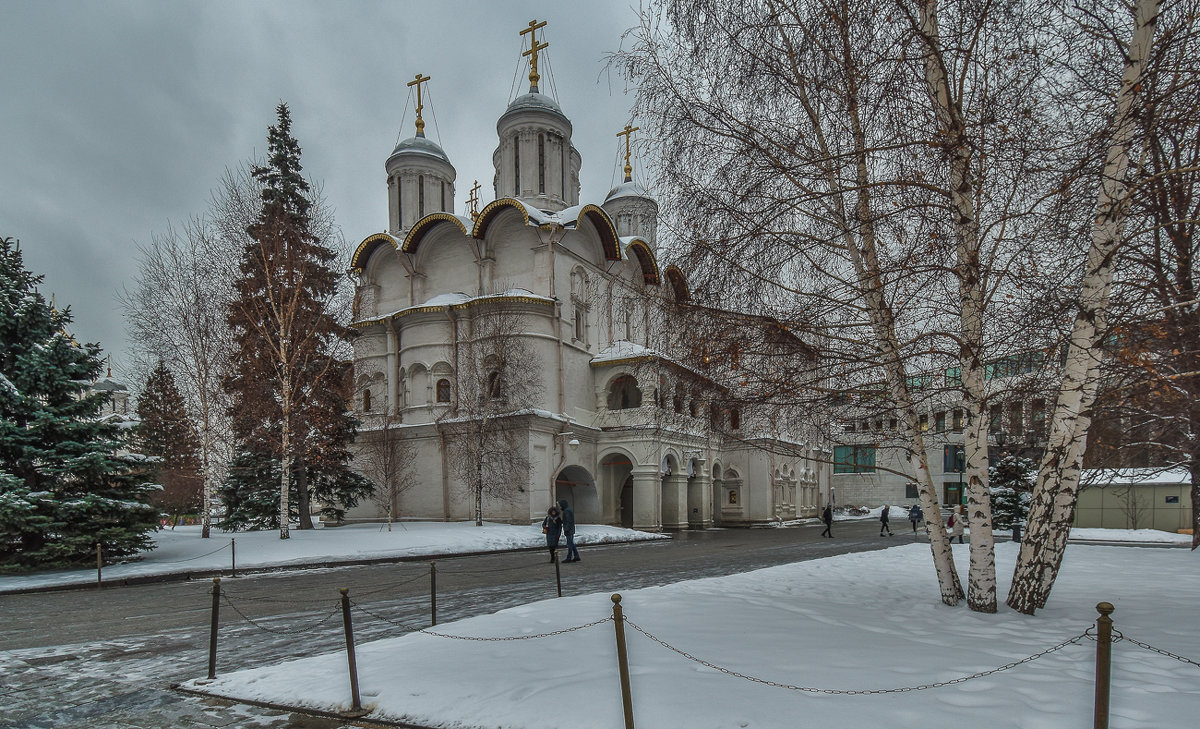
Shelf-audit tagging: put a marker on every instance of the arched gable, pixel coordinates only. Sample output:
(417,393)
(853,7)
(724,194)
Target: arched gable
(605,227)
(645,257)
(425,225)
(678,281)
(363,253)
(618,451)
(493,209)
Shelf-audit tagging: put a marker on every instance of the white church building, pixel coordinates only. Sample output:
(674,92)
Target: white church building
(627,433)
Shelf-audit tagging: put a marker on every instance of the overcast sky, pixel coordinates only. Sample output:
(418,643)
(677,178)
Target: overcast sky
(118,118)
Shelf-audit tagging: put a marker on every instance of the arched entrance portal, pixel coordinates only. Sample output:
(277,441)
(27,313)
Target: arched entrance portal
(576,485)
(616,479)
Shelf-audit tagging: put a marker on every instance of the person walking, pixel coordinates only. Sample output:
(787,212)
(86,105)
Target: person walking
(883,521)
(827,517)
(956,523)
(568,525)
(915,515)
(552,527)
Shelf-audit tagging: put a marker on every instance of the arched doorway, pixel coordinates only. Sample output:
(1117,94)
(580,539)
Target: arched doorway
(616,488)
(578,487)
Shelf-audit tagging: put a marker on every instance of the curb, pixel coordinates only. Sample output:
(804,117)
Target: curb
(189,575)
(363,721)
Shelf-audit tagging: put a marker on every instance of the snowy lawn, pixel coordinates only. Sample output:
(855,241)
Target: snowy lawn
(858,621)
(182,549)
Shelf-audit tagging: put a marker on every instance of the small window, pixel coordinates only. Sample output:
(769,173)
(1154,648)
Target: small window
(694,408)
(910,491)
(995,419)
(624,393)
(677,404)
(939,422)
(956,422)
(443,390)
(953,459)
(892,424)
(735,419)
(517,167)
(923,423)
(1015,421)
(494,388)
(542,163)
(444,206)
(420,196)
(366,400)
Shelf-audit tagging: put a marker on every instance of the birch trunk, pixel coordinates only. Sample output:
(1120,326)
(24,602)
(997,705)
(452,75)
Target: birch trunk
(1057,489)
(285,454)
(981,589)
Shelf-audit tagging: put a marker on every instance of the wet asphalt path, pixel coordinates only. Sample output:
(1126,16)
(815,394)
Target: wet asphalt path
(105,659)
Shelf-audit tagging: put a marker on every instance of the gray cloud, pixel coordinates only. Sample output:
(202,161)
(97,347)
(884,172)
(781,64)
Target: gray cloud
(121,117)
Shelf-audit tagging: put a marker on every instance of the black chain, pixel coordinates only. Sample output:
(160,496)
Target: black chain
(392,585)
(1119,636)
(853,692)
(377,616)
(279,631)
(193,559)
(519,637)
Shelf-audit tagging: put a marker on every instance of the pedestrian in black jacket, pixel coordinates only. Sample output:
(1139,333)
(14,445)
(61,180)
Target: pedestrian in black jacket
(552,527)
(883,521)
(827,517)
(568,525)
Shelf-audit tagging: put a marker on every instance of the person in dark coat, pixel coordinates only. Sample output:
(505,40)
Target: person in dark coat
(883,521)
(552,526)
(915,515)
(568,525)
(827,517)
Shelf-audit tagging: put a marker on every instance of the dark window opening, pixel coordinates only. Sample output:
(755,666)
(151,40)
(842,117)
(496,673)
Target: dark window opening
(443,391)
(542,163)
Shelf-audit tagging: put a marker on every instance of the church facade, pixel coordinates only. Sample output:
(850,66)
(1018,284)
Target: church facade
(624,430)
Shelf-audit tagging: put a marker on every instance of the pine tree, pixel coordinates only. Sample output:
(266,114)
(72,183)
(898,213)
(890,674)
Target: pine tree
(166,434)
(1011,480)
(289,403)
(63,488)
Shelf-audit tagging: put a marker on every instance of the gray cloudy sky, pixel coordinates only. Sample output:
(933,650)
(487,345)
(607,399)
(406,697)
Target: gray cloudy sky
(119,117)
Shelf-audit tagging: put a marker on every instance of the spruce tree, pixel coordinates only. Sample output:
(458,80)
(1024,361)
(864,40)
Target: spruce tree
(285,370)
(166,434)
(63,486)
(1011,481)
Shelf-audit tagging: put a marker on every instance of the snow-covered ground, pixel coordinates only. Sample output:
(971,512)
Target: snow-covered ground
(858,621)
(182,549)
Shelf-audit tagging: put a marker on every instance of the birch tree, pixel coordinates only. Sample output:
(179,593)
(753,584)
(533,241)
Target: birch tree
(496,379)
(386,458)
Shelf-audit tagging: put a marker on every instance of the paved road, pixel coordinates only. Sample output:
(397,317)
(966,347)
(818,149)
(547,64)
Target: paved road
(105,659)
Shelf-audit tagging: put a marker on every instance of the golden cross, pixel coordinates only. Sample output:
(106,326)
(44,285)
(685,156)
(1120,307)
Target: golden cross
(473,201)
(420,122)
(628,168)
(534,47)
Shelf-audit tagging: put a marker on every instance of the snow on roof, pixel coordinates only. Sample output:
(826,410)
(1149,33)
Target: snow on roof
(624,350)
(455,299)
(1133,476)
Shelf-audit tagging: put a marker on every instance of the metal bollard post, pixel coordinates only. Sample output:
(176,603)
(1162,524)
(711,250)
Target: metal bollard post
(356,705)
(557,573)
(433,593)
(623,661)
(1103,662)
(212,630)
(99,565)
(233,557)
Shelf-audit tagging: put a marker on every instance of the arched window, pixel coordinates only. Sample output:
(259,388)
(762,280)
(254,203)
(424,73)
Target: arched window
(516,166)
(494,386)
(623,393)
(735,419)
(443,390)
(694,409)
(420,196)
(542,163)
(399,202)
(678,403)
(366,400)
(444,206)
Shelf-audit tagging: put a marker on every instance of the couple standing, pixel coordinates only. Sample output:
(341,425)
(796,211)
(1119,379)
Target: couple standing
(560,520)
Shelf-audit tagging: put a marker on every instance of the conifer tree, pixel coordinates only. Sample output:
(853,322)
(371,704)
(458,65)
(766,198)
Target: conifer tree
(166,433)
(1011,481)
(63,488)
(288,387)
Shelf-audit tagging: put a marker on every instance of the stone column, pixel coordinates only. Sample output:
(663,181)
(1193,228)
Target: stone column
(674,500)
(647,490)
(700,489)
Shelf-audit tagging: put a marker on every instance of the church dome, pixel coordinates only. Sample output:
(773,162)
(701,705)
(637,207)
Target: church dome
(420,146)
(533,101)
(628,189)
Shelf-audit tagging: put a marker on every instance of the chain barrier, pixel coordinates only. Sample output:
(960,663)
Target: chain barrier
(277,600)
(193,559)
(519,637)
(377,616)
(445,571)
(420,576)
(282,631)
(1118,636)
(856,692)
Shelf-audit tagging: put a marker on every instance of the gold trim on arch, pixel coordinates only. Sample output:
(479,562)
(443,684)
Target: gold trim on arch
(490,211)
(650,274)
(422,227)
(608,231)
(368,246)
(678,281)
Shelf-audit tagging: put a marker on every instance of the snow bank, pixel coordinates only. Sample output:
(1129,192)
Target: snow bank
(182,550)
(860,621)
